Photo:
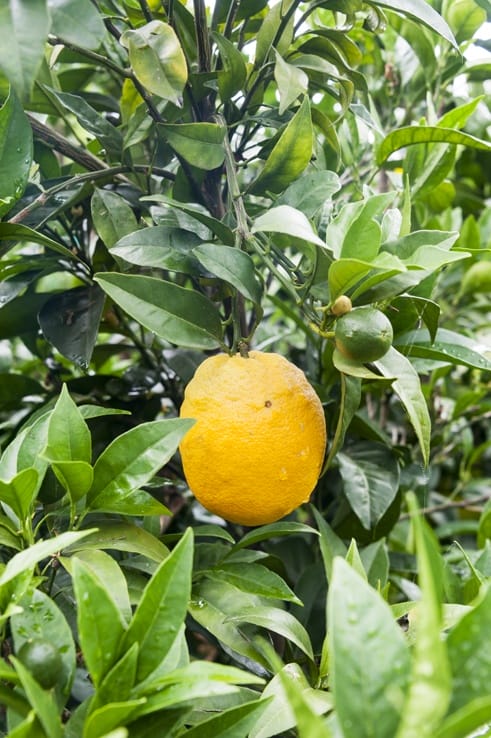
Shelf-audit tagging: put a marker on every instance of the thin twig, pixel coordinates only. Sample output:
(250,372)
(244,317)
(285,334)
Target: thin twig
(449,505)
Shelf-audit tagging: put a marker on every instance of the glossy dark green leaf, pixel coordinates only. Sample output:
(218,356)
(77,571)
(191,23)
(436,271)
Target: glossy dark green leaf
(68,434)
(100,623)
(290,155)
(75,477)
(233,723)
(157,59)
(232,71)
(119,681)
(70,321)
(15,233)
(14,387)
(233,266)
(161,247)
(370,477)
(179,315)
(430,684)
(162,608)
(19,492)
(113,217)
(106,720)
(41,615)
(254,578)
(447,346)
(201,144)
(273,530)
(422,12)
(25,26)
(199,213)
(364,639)
(15,149)
(130,461)
(279,621)
(121,535)
(77,21)
(408,388)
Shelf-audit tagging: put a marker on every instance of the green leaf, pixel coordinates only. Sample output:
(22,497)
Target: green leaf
(287,220)
(410,135)
(157,59)
(15,148)
(292,82)
(370,477)
(365,639)
(201,144)
(232,71)
(112,216)
(290,155)
(25,25)
(103,720)
(70,321)
(75,477)
(41,615)
(14,233)
(233,266)
(179,315)
(107,571)
(27,559)
(430,684)
(41,700)
(197,212)
(119,681)
(307,720)
(269,32)
(279,621)
(421,12)
(233,723)
(345,230)
(130,461)
(122,535)
(310,192)
(254,578)
(100,623)
(68,434)
(280,714)
(20,492)
(470,662)
(273,530)
(353,368)
(446,346)
(467,720)
(160,247)
(349,404)
(162,608)
(78,22)
(408,387)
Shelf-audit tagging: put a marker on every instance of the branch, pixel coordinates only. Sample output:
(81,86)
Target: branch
(56,141)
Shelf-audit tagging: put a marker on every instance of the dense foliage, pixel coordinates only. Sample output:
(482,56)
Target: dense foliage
(179,178)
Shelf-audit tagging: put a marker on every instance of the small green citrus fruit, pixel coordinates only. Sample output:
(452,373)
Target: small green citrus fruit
(364,334)
(43,660)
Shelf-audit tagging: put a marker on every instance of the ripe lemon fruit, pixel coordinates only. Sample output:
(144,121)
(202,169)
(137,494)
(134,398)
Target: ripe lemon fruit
(257,447)
(364,334)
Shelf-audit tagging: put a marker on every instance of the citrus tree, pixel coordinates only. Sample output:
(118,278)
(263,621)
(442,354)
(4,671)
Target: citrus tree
(282,207)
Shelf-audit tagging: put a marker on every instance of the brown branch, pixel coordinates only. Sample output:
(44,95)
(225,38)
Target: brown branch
(449,505)
(56,141)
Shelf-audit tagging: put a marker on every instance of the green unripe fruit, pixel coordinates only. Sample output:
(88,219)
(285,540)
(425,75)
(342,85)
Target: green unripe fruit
(364,334)
(477,278)
(341,305)
(43,661)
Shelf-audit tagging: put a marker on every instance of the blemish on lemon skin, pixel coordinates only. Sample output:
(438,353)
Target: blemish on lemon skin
(268,403)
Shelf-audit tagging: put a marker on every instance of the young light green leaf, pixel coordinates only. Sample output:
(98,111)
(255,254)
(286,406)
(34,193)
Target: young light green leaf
(20,492)
(119,681)
(233,71)
(408,388)
(24,27)
(42,701)
(466,721)
(291,80)
(121,535)
(445,346)
(308,721)
(364,639)
(157,59)
(287,220)
(254,578)
(69,437)
(131,460)
(201,144)
(27,559)
(107,571)
(15,147)
(77,22)
(343,230)
(100,623)
(290,155)
(273,530)
(233,266)
(162,608)
(76,477)
(410,135)
(279,621)
(421,12)
(179,315)
(430,685)
(102,722)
